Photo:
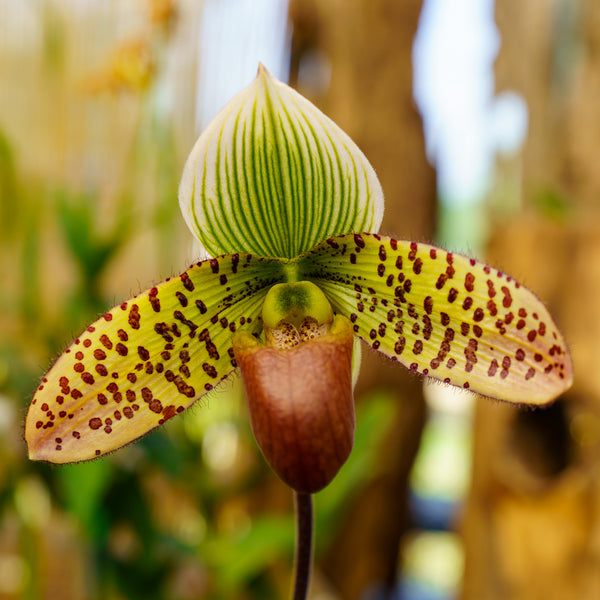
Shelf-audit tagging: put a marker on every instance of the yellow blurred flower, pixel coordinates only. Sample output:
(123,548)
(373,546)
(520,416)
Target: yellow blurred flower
(129,68)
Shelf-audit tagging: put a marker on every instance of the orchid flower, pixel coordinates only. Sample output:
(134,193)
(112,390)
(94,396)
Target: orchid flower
(289,208)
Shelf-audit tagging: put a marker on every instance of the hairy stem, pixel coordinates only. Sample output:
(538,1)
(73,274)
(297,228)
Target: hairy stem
(304,534)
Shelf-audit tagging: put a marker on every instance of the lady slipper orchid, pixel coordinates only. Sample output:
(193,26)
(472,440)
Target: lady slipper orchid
(289,209)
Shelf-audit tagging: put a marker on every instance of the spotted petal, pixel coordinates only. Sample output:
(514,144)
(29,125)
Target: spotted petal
(444,315)
(147,359)
(274,176)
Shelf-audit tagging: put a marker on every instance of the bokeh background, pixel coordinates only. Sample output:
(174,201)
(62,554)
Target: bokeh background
(482,122)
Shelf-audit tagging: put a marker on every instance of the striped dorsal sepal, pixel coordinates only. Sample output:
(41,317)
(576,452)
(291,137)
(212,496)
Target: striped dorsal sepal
(273,175)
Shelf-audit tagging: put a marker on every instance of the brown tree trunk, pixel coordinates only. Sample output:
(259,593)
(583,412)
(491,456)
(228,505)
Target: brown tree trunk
(367,45)
(532,521)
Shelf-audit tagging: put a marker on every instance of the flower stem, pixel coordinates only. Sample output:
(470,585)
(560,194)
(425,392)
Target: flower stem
(304,534)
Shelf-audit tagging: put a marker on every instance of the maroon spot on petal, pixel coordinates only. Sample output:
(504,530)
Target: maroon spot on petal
(201,306)
(413,251)
(417,266)
(439,284)
(95,423)
(134,316)
(209,370)
(155,406)
(359,241)
(188,284)
(182,298)
(87,378)
(469,282)
(520,354)
(143,353)
(470,355)
(532,335)
(428,305)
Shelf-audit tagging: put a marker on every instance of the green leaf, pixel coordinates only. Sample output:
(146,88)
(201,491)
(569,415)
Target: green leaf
(273,175)
(147,359)
(444,315)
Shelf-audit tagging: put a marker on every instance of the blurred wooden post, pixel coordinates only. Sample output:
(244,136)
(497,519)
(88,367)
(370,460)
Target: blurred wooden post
(368,47)
(532,521)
